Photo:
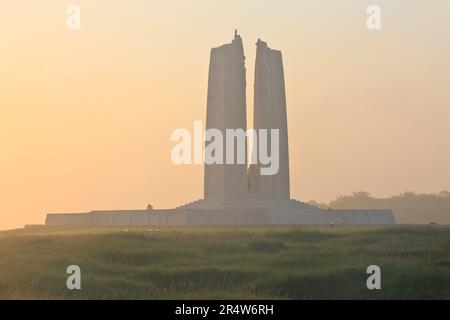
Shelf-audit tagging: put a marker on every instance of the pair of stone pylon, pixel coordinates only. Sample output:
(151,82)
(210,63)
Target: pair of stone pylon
(226,109)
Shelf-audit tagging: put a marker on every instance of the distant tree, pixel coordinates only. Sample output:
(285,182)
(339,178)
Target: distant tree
(408,207)
(318,204)
(360,199)
(444,194)
(362,195)
(408,195)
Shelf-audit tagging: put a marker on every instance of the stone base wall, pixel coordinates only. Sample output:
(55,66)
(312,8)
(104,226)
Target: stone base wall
(218,217)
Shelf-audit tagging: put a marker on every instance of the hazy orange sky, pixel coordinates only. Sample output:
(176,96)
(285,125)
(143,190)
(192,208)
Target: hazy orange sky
(86,116)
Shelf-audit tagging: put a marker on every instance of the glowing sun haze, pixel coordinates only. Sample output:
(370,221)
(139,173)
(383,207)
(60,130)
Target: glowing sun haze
(86,116)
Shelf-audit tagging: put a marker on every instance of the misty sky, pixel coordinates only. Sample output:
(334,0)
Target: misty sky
(86,117)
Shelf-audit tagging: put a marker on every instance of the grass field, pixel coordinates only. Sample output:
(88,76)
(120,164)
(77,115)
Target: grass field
(226,262)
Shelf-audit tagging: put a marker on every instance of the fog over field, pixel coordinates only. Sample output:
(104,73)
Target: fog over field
(227,262)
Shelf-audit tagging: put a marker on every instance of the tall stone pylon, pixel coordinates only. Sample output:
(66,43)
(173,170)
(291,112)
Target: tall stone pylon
(270,113)
(226,109)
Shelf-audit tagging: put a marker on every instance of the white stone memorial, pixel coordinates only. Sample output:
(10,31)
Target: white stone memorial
(238,194)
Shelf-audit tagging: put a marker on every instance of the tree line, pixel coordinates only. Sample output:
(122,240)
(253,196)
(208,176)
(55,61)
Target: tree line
(408,207)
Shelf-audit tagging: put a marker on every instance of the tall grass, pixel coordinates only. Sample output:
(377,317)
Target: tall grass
(226,263)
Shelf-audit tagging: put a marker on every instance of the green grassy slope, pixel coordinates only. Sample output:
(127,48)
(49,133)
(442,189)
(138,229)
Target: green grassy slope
(226,262)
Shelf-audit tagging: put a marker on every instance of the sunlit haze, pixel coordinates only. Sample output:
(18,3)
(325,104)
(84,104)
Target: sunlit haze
(86,116)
